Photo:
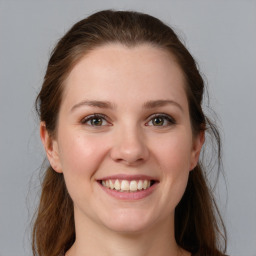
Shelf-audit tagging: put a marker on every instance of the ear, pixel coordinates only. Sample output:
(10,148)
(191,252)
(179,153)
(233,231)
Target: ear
(51,148)
(198,142)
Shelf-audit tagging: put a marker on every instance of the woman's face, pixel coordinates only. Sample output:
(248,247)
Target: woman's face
(124,141)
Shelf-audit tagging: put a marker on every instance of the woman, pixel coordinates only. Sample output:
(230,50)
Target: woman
(123,127)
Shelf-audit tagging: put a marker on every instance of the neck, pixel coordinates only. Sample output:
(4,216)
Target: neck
(92,239)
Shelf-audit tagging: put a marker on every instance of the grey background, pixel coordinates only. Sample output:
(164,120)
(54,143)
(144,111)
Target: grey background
(222,37)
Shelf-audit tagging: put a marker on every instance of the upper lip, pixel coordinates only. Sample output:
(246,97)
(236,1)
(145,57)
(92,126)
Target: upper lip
(128,177)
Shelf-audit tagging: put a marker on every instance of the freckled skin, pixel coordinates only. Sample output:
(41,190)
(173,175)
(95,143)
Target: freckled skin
(127,142)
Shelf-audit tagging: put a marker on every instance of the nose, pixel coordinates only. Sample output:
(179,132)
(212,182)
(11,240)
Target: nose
(129,147)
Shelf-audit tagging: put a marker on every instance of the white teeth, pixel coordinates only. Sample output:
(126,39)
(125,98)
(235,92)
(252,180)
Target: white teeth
(140,185)
(111,184)
(133,185)
(145,184)
(117,185)
(125,185)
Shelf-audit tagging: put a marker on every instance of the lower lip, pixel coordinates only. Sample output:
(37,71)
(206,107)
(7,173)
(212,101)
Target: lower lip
(129,196)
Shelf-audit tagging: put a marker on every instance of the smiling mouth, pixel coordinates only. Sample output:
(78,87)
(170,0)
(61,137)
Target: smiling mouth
(127,185)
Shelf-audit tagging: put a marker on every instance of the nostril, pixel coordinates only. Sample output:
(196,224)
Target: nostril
(129,161)
(129,150)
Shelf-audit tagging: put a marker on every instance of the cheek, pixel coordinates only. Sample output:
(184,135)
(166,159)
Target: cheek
(174,157)
(174,152)
(81,154)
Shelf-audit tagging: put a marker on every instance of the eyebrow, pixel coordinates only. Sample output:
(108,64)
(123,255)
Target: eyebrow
(108,105)
(94,103)
(161,103)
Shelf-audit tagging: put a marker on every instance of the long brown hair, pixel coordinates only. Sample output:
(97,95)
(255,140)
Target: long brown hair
(198,225)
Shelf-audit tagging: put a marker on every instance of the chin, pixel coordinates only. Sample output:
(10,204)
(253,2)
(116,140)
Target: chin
(129,222)
(125,228)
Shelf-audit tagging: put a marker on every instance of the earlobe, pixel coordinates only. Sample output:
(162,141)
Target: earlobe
(51,148)
(197,146)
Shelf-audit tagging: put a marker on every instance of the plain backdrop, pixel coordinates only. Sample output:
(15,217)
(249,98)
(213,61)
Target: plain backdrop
(222,37)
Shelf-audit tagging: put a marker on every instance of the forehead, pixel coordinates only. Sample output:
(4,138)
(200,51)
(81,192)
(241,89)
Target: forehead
(152,57)
(114,69)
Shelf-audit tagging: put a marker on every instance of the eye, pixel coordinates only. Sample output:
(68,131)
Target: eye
(161,120)
(95,120)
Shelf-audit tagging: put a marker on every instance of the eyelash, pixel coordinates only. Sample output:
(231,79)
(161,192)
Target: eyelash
(94,116)
(170,120)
